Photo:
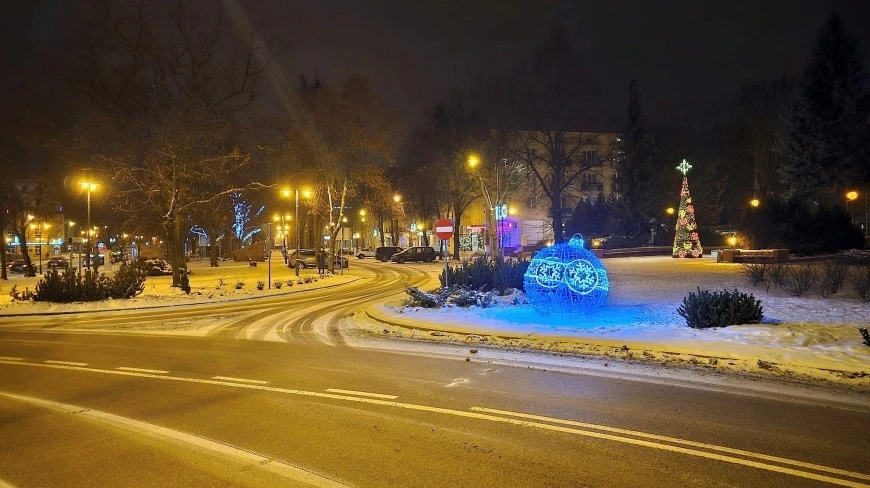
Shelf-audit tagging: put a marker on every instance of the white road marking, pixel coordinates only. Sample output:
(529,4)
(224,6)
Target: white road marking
(67,363)
(500,419)
(2,358)
(142,370)
(6,484)
(675,440)
(362,393)
(457,381)
(240,380)
(250,459)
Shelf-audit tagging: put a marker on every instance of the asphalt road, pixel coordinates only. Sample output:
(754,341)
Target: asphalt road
(301,407)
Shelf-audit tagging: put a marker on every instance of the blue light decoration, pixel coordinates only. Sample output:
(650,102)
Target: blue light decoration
(566,279)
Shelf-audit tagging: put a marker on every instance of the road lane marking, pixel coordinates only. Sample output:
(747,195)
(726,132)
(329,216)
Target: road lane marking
(362,393)
(240,380)
(66,363)
(248,458)
(2,358)
(457,381)
(483,416)
(142,370)
(675,440)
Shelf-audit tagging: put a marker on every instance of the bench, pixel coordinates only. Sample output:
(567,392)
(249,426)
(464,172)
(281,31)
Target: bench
(752,256)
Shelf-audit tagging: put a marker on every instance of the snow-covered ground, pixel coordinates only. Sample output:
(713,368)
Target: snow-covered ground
(205,284)
(808,336)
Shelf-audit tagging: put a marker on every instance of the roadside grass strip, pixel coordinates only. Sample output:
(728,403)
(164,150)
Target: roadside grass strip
(642,439)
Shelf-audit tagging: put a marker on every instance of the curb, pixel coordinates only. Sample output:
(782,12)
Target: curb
(231,300)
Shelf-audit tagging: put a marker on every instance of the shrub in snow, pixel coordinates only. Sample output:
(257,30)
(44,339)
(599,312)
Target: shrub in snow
(420,298)
(800,278)
(719,309)
(776,273)
(469,298)
(184,281)
(277,284)
(754,272)
(865,335)
(479,274)
(239,285)
(832,274)
(69,286)
(860,279)
(261,284)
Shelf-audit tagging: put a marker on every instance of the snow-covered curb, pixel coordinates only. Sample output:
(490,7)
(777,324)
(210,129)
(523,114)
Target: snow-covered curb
(173,298)
(784,350)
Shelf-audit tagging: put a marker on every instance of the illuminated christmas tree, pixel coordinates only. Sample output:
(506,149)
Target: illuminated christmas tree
(687,244)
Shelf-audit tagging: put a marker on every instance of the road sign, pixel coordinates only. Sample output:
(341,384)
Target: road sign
(444,229)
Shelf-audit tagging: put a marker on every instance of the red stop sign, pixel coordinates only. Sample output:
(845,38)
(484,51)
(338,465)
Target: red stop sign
(444,229)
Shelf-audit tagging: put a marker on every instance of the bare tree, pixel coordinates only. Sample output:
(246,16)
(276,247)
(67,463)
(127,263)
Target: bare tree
(171,81)
(547,94)
(28,200)
(339,137)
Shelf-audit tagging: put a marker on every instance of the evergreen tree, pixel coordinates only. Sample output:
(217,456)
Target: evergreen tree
(687,244)
(825,129)
(632,166)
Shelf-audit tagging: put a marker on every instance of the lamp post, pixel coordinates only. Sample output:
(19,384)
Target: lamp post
(89,187)
(398,201)
(851,197)
(305,194)
(473,162)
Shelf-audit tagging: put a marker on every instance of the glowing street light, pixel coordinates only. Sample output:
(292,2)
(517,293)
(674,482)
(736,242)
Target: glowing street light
(397,198)
(473,160)
(851,196)
(670,211)
(89,186)
(754,202)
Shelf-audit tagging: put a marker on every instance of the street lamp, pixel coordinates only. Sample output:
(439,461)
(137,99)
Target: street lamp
(89,187)
(305,194)
(851,196)
(754,203)
(473,162)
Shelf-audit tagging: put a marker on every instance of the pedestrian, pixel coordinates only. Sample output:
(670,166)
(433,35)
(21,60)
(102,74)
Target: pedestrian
(321,263)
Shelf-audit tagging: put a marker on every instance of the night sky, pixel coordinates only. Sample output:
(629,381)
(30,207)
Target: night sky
(687,55)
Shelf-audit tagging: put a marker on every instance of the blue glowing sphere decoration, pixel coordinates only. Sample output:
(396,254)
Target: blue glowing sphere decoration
(566,279)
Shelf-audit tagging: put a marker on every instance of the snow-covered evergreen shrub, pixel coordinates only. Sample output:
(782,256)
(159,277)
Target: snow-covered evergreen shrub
(719,309)
(420,298)
(277,284)
(261,284)
(480,274)
(470,298)
(865,335)
(129,281)
(69,286)
(239,285)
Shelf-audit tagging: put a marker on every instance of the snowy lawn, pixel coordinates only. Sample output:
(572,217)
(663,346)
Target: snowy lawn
(204,283)
(808,335)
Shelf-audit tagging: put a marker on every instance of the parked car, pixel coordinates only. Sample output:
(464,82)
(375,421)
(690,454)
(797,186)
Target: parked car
(416,253)
(365,253)
(57,262)
(307,258)
(385,253)
(18,266)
